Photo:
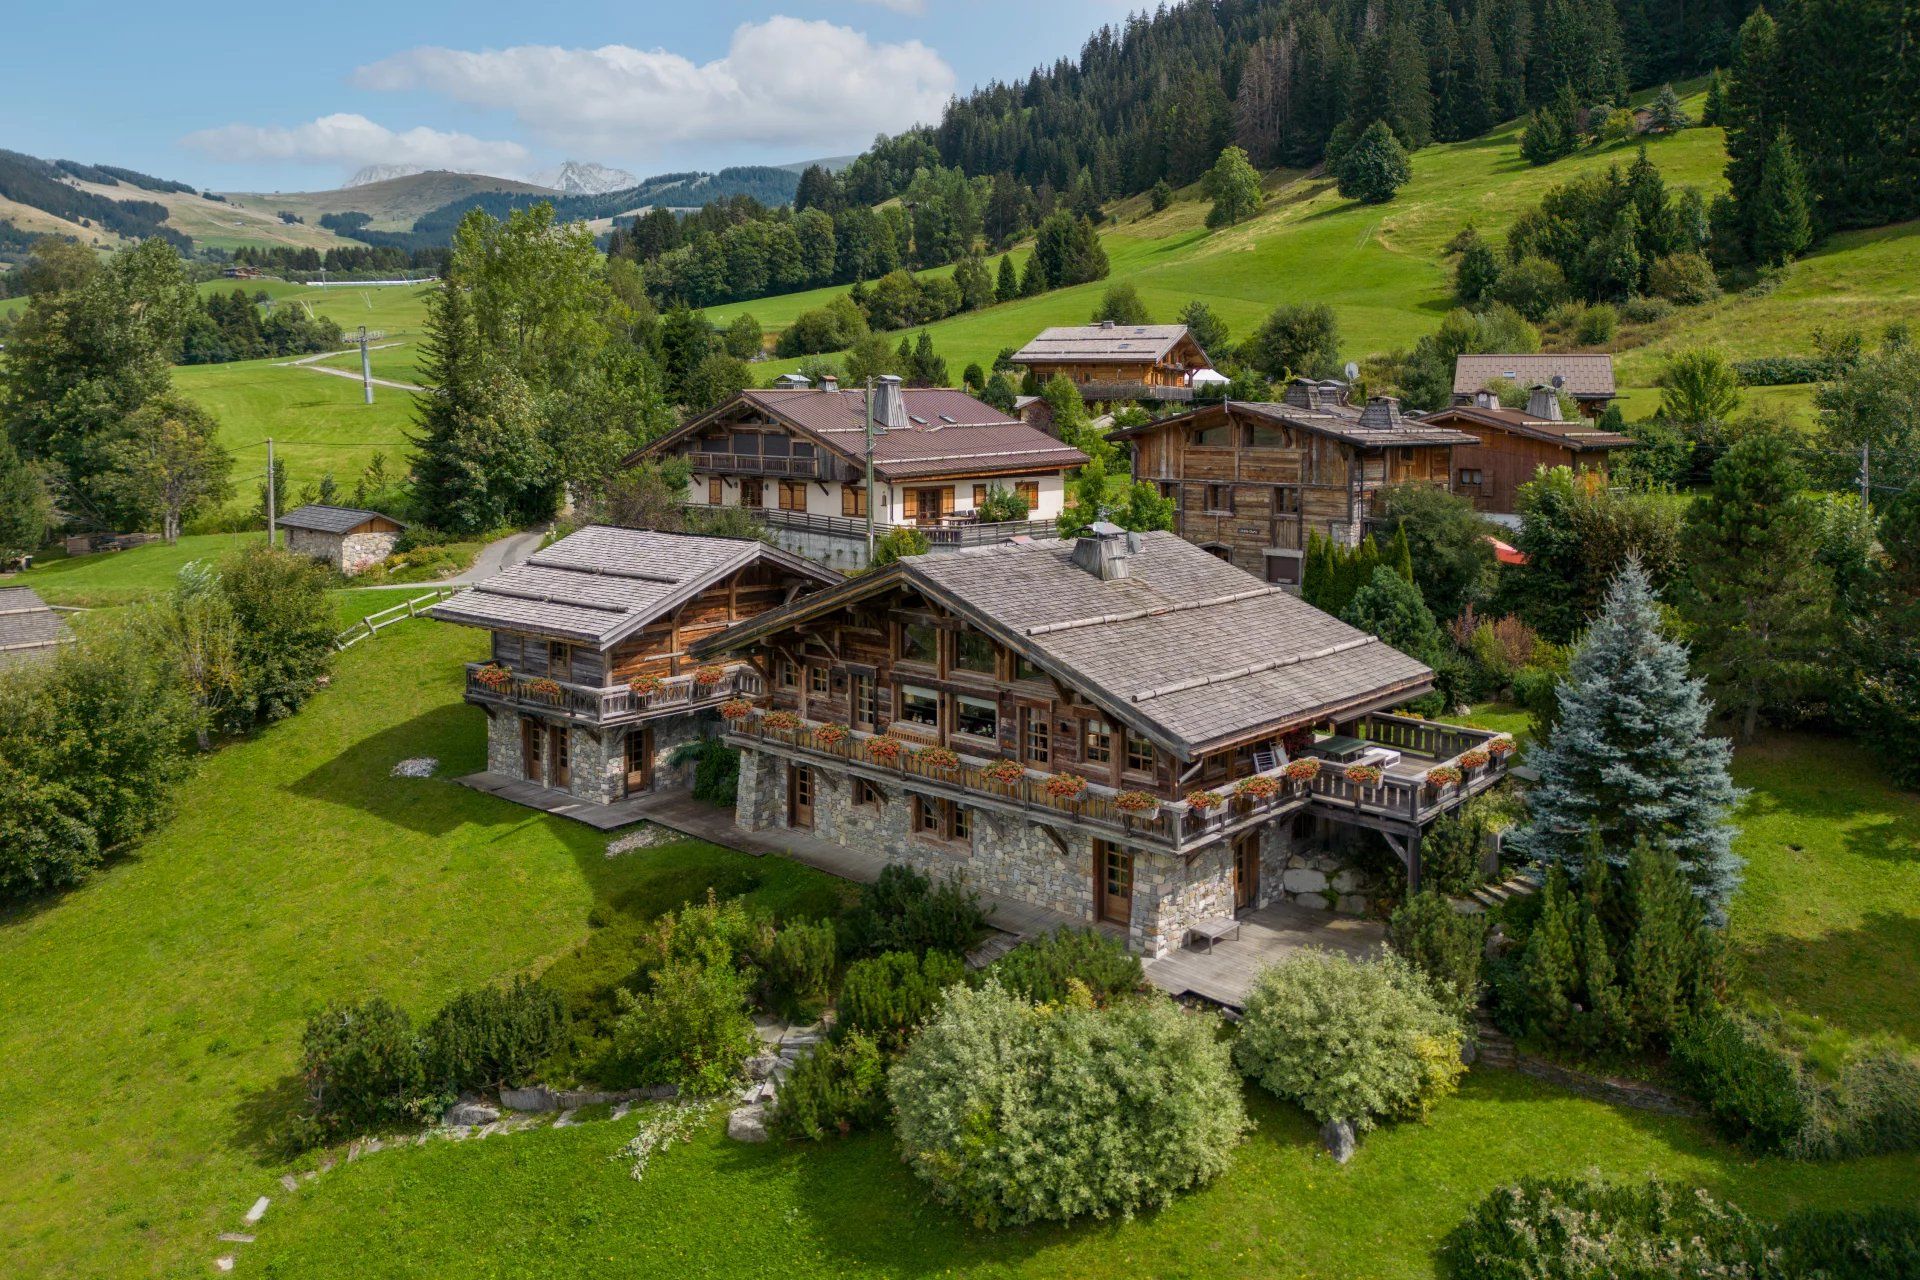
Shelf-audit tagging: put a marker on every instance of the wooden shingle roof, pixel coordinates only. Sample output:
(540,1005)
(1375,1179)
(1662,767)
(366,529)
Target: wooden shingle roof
(1578,434)
(1582,376)
(325,519)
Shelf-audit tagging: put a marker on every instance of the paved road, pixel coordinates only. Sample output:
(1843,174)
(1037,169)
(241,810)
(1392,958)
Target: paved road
(502,553)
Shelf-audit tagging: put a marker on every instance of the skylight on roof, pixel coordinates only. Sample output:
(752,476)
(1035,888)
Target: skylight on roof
(947,417)
(917,418)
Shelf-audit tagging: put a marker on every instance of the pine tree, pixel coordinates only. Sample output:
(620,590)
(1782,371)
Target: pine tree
(1631,757)
(1751,115)
(1007,285)
(1033,281)
(1604,1017)
(1389,606)
(1206,328)
(1375,167)
(1474,275)
(1666,115)
(1714,113)
(1668,962)
(1400,554)
(1761,600)
(1778,224)
(1548,965)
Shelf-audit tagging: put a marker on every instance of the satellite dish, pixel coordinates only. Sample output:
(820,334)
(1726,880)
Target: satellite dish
(1353,371)
(1559,381)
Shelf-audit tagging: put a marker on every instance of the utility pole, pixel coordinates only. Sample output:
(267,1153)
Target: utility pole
(366,365)
(1866,478)
(869,471)
(272,515)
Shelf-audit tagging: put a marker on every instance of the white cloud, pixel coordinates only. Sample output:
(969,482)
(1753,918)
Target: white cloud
(783,82)
(347,139)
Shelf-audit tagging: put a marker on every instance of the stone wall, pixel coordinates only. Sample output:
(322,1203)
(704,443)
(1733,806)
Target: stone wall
(349,554)
(503,743)
(1171,894)
(598,757)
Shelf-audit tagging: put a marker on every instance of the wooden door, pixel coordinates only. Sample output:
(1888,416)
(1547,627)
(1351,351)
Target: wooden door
(1112,883)
(559,758)
(640,759)
(533,748)
(1246,871)
(800,797)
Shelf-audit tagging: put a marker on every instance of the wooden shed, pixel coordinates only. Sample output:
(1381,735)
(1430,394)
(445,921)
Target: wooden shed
(347,538)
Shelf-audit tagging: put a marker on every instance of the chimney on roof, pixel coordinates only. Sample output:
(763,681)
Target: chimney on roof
(1332,391)
(1106,324)
(889,403)
(1104,550)
(1543,402)
(1485,399)
(829,382)
(1302,393)
(1381,414)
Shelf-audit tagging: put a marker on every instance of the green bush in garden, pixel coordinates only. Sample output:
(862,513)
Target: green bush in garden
(493,1036)
(842,1087)
(905,911)
(1751,1087)
(889,995)
(1444,945)
(690,1029)
(799,967)
(363,1069)
(1040,969)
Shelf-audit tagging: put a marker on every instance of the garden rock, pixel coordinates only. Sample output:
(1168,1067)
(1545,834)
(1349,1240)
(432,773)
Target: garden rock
(417,767)
(748,1124)
(1303,880)
(1338,1138)
(761,1065)
(1348,881)
(469,1113)
(1468,1051)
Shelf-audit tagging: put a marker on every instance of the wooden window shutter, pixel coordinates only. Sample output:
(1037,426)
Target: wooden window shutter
(979,496)
(946,501)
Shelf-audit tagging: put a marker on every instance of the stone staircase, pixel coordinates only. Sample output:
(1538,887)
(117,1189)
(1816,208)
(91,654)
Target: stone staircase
(1494,1048)
(1487,896)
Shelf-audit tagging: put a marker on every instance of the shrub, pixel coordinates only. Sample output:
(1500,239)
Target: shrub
(800,965)
(493,1036)
(1040,969)
(285,625)
(1684,279)
(1017,1114)
(716,770)
(1750,1086)
(1875,1109)
(1349,1039)
(1531,286)
(718,931)
(363,1068)
(905,911)
(1645,310)
(890,995)
(1450,851)
(1597,324)
(1444,945)
(690,1029)
(1823,1243)
(840,1088)
(1582,1228)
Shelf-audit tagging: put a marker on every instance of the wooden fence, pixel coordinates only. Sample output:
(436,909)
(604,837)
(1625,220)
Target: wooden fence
(374,623)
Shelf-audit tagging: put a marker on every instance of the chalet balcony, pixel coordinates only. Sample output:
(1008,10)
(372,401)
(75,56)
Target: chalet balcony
(808,467)
(1134,391)
(616,704)
(945,534)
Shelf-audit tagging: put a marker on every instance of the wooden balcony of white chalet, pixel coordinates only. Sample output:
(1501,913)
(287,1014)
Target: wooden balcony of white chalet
(613,704)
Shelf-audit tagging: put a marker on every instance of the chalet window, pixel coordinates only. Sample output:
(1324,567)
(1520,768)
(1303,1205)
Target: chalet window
(919,642)
(960,823)
(979,496)
(1286,502)
(865,792)
(716,490)
(1036,738)
(1099,742)
(1140,753)
(863,705)
(919,706)
(935,819)
(1029,490)
(973,652)
(1283,570)
(1260,436)
(746,444)
(1170,490)
(793,495)
(1211,437)
(559,660)
(802,448)
(775,446)
(853,500)
(753,492)
(1220,498)
(788,674)
(977,717)
(1470,475)
(817,684)
(1024,670)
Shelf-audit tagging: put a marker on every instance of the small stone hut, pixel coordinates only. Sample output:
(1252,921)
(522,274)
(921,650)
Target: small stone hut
(347,538)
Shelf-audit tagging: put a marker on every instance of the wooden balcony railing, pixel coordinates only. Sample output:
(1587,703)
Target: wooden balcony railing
(812,467)
(1133,391)
(615,703)
(951,533)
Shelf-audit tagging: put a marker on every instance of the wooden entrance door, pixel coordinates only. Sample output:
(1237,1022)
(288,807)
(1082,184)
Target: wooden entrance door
(559,758)
(639,759)
(1246,871)
(533,749)
(800,796)
(1112,883)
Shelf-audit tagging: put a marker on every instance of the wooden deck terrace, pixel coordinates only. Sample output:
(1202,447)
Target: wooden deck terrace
(1225,973)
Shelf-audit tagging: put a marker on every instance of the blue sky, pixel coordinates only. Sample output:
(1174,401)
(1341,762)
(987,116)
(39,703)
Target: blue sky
(297,97)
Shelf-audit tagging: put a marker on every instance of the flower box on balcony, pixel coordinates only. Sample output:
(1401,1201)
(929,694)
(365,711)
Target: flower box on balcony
(1005,772)
(707,677)
(1201,801)
(1440,777)
(780,721)
(1258,788)
(1136,802)
(1066,786)
(544,688)
(494,676)
(831,735)
(1500,747)
(1305,769)
(736,709)
(937,758)
(885,750)
(1471,760)
(1365,775)
(645,686)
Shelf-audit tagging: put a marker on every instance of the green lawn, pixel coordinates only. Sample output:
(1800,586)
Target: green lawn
(120,577)
(150,1021)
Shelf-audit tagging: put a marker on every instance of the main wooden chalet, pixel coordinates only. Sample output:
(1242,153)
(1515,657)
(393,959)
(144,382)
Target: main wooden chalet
(1048,718)
(1251,481)
(590,684)
(796,458)
(1512,445)
(1109,361)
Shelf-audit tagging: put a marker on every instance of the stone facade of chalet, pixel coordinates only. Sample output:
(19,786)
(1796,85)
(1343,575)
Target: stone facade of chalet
(350,540)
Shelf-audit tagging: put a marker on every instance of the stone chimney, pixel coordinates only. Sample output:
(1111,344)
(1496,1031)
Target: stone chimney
(1543,403)
(1104,550)
(1485,399)
(828,382)
(1381,414)
(1302,393)
(1106,324)
(889,403)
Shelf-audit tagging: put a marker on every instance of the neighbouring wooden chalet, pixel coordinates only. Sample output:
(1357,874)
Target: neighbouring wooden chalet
(1109,361)
(1512,445)
(590,686)
(1251,481)
(348,538)
(1036,716)
(796,458)
(30,630)
(1588,378)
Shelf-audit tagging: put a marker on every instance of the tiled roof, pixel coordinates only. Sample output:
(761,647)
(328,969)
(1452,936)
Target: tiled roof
(1582,375)
(325,519)
(1109,344)
(29,630)
(1577,433)
(601,584)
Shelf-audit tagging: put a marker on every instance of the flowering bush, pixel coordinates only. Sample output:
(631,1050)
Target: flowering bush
(1443,776)
(1204,800)
(782,720)
(1305,769)
(709,676)
(831,735)
(736,709)
(544,687)
(1258,787)
(1472,759)
(1136,801)
(937,758)
(494,676)
(1365,775)
(886,750)
(1006,771)
(644,685)
(1065,786)
(1500,747)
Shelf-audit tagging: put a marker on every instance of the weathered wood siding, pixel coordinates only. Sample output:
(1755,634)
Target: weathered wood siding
(1506,461)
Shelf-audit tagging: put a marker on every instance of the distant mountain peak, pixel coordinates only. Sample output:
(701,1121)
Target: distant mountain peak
(585,178)
(384,173)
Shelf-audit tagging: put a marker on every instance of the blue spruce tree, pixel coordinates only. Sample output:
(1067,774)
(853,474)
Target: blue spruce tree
(1631,758)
